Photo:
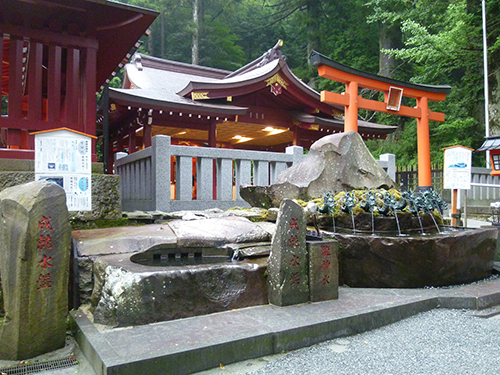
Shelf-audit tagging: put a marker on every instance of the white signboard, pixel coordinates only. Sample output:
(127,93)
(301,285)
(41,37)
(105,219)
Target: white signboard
(65,158)
(457,167)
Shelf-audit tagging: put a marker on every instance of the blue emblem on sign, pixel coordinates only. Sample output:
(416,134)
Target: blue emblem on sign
(83,184)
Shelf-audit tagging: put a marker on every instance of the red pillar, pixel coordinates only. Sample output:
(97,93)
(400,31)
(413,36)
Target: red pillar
(423,145)
(147,135)
(296,136)
(212,135)
(351,110)
(132,141)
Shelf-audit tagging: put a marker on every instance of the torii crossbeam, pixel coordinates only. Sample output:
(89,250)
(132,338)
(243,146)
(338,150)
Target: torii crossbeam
(394,91)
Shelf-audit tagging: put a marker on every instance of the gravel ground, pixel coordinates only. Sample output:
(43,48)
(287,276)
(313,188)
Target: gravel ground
(437,342)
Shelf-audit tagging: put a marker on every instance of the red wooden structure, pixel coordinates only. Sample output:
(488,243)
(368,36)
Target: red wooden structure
(261,106)
(394,91)
(55,55)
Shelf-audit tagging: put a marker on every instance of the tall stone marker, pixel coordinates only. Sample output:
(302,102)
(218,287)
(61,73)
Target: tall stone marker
(35,241)
(288,265)
(323,270)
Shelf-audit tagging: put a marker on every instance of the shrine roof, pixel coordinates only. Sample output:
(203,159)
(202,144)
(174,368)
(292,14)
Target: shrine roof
(147,72)
(115,26)
(247,78)
(168,83)
(363,126)
(316,59)
(166,99)
(154,84)
(490,143)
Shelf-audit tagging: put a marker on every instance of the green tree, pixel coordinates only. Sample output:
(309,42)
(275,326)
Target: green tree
(443,45)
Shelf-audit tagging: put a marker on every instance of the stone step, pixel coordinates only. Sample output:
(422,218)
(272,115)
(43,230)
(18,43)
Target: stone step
(486,313)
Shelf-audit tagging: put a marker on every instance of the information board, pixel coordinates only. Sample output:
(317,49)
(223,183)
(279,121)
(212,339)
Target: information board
(65,158)
(457,167)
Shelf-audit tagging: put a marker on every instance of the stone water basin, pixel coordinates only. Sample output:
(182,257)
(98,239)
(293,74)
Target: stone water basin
(126,292)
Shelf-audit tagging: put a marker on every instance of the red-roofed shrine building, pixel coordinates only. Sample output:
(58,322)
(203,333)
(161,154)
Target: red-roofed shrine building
(261,106)
(54,56)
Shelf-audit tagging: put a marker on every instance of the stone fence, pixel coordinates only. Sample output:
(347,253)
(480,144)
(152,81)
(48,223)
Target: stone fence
(484,190)
(168,178)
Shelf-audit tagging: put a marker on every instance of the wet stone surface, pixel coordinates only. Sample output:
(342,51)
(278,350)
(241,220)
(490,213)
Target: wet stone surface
(288,275)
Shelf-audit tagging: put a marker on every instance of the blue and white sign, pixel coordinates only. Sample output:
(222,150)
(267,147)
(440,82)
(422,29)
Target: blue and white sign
(457,167)
(64,157)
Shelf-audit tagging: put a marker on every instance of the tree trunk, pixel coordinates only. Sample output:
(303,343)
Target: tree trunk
(162,34)
(390,37)
(313,39)
(195,54)
(494,105)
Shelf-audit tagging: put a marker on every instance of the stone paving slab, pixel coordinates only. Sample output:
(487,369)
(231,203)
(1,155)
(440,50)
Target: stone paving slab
(193,344)
(93,242)
(209,232)
(218,231)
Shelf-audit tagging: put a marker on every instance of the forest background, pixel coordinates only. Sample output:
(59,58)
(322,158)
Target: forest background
(423,41)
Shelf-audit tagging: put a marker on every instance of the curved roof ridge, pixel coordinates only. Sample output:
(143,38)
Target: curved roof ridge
(270,55)
(176,66)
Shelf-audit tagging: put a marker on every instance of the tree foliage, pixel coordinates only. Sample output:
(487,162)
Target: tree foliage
(438,42)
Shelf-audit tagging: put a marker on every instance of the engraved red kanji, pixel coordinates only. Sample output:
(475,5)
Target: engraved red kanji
(295,261)
(326,264)
(326,280)
(44,281)
(44,242)
(295,278)
(293,242)
(294,224)
(44,263)
(325,251)
(45,223)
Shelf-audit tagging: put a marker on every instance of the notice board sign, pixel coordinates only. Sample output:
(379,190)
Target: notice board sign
(64,156)
(457,167)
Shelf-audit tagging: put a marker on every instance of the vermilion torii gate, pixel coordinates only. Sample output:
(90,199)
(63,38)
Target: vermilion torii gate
(394,91)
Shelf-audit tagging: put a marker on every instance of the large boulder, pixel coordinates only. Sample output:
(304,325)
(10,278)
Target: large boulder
(335,163)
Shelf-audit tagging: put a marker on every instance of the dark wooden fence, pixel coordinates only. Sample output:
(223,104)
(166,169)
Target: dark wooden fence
(407,177)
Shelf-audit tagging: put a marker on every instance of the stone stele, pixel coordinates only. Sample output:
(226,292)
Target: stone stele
(335,163)
(35,243)
(288,270)
(323,270)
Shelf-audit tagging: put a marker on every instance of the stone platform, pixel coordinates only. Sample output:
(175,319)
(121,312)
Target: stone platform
(194,344)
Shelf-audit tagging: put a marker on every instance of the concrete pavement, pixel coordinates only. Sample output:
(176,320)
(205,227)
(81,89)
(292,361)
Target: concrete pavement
(194,344)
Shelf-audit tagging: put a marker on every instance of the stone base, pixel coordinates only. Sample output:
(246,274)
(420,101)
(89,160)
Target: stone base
(128,294)
(416,261)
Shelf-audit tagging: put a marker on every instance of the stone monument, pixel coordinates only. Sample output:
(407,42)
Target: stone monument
(35,243)
(288,270)
(323,270)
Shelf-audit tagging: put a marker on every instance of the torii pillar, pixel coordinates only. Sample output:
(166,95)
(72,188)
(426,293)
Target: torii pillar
(394,91)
